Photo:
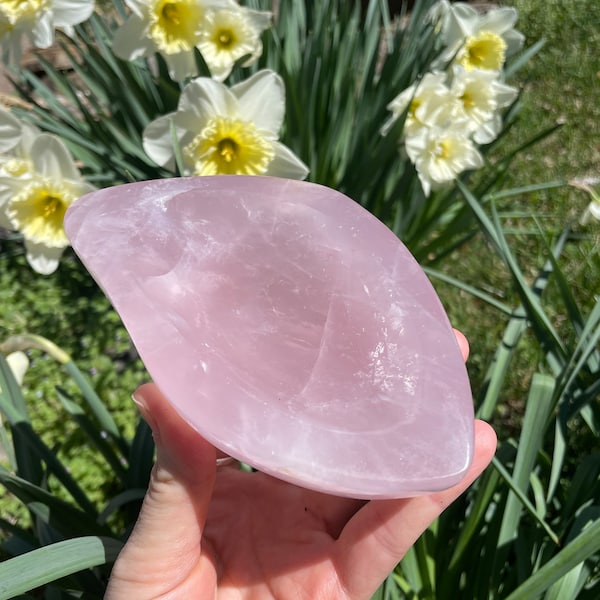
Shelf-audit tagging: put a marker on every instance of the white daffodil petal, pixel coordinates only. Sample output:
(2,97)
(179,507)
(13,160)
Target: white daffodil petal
(181,65)
(16,140)
(137,7)
(18,363)
(434,110)
(42,34)
(505,94)
(499,20)
(260,19)
(437,13)
(514,41)
(402,100)
(71,12)
(460,21)
(51,158)
(8,185)
(502,21)
(594,208)
(218,71)
(42,259)
(4,220)
(425,183)
(205,98)
(130,41)
(11,131)
(474,91)
(257,51)
(29,134)
(158,142)
(488,131)
(286,164)
(11,47)
(78,187)
(262,100)
(222,4)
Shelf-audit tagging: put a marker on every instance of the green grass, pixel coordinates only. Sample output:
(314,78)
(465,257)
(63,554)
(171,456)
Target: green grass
(563,85)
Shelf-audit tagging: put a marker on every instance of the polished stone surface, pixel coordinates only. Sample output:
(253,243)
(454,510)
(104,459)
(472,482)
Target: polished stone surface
(289,326)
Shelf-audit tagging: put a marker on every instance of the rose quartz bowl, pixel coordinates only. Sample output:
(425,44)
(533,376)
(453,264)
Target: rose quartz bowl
(288,326)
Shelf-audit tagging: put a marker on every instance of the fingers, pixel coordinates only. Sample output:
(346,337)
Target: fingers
(462,343)
(164,548)
(379,535)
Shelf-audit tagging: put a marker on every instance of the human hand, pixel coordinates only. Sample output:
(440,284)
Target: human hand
(224,533)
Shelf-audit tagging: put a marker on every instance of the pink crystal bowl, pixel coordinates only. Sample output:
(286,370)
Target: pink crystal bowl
(288,326)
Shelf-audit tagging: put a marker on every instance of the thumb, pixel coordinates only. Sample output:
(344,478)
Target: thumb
(164,549)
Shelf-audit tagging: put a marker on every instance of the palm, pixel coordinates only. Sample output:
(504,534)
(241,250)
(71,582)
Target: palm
(271,539)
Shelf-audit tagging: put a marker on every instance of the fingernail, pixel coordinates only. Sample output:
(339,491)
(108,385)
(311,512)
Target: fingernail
(138,398)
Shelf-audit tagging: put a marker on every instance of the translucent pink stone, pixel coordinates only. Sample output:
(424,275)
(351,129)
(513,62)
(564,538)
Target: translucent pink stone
(289,326)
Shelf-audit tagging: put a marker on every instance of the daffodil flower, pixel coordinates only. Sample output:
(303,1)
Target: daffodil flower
(477,40)
(427,103)
(37,20)
(35,205)
(480,96)
(174,29)
(230,34)
(440,154)
(226,131)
